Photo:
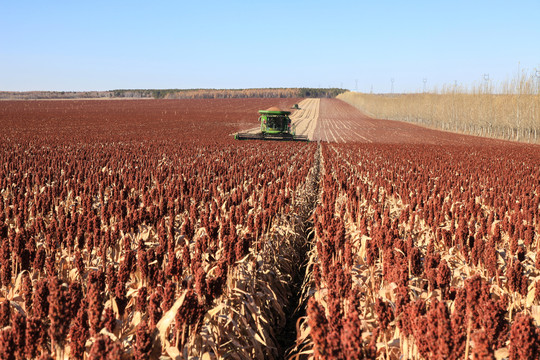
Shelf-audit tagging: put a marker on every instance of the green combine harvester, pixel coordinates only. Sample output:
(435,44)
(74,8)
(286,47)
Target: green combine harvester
(275,125)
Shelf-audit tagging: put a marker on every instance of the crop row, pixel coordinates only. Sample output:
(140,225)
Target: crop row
(119,239)
(425,252)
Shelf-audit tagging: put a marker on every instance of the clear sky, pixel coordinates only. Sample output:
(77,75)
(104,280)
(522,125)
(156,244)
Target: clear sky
(104,45)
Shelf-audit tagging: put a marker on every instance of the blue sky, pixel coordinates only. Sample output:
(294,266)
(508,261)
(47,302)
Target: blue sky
(103,45)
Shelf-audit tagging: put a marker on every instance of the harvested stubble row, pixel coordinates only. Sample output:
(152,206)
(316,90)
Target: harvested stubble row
(424,252)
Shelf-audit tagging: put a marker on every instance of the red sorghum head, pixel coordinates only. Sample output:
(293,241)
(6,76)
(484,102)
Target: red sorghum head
(524,341)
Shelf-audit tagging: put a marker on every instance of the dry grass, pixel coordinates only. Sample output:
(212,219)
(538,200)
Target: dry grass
(509,111)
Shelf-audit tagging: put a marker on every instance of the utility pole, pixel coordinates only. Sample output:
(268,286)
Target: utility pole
(486,80)
(537,74)
(424,80)
(489,118)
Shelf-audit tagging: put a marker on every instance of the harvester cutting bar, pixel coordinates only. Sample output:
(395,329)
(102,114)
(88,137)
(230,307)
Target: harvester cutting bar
(277,137)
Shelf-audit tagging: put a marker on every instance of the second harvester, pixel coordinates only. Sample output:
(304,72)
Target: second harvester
(275,125)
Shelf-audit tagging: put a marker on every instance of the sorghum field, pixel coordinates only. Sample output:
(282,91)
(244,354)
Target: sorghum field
(139,229)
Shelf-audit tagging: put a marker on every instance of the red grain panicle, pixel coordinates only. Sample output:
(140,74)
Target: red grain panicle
(420,332)
(215,288)
(7,346)
(95,307)
(186,257)
(26,292)
(242,246)
(439,319)
(334,312)
(477,293)
(79,263)
(353,347)
(490,257)
(496,233)
(143,342)
(524,340)
(493,321)
(78,334)
(200,283)
(188,313)
(142,299)
(154,309)
(458,322)
(444,276)
(18,325)
(481,349)
(430,268)
(384,313)
(108,319)
(411,312)
(318,325)
(415,261)
(516,280)
(40,304)
(333,340)
(142,263)
(74,298)
(371,254)
(169,295)
(529,235)
(34,330)
(5,313)
(104,348)
(402,299)
(172,269)
(58,313)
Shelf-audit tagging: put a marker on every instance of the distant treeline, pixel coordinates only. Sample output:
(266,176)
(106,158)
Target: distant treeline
(509,110)
(45,95)
(176,93)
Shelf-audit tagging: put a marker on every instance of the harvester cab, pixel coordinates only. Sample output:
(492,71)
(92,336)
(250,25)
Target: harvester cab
(275,121)
(275,125)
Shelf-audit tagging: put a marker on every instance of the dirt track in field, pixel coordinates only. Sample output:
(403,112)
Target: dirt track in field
(305,119)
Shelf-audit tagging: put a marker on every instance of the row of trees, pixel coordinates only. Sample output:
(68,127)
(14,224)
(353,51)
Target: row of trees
(176,93)
(233,93)
(510,110)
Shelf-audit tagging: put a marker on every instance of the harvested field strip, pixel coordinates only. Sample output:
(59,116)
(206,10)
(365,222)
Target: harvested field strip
(306,118)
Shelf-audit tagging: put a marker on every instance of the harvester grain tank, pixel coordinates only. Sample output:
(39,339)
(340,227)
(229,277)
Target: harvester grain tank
(275,125)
